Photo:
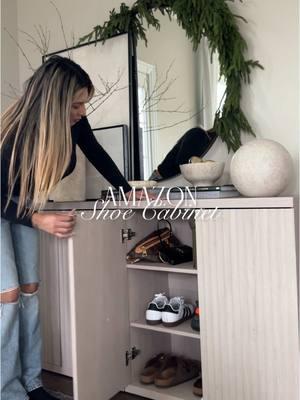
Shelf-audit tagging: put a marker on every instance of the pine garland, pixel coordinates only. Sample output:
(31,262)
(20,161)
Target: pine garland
(210,18)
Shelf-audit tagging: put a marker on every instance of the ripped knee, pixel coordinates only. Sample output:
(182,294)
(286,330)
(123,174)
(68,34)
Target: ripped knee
(29,289)
(10,295)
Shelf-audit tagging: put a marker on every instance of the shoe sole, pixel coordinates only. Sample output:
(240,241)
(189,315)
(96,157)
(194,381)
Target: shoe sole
(198,391)
(147,380)
(172,381)
(175,323)
(153,322)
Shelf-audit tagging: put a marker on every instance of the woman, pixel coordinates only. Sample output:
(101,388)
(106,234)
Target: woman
(38,140)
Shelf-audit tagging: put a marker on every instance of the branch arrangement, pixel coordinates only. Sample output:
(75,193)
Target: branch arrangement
(199,18)
(40,40)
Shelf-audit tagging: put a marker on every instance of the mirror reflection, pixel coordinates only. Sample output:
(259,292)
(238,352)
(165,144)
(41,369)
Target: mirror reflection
(178,89)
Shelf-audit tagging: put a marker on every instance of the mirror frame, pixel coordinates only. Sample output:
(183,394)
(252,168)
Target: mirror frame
(199,18)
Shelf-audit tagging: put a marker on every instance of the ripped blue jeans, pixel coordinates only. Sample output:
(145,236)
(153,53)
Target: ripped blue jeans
(20,326)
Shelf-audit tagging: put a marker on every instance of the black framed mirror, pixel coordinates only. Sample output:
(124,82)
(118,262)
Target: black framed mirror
(213,21)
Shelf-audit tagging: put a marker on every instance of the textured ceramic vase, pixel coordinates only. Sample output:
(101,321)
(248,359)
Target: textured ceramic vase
(261,168)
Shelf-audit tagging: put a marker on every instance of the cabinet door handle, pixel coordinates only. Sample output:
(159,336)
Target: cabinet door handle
(127,234)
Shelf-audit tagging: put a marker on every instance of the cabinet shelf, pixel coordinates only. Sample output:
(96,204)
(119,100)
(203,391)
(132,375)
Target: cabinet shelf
(185,268)
(183,391)
(183,329)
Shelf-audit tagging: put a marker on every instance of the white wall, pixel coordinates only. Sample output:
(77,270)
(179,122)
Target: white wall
(272,100)
(9,52)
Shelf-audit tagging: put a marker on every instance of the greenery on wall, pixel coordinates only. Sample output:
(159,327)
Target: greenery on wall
(209,18)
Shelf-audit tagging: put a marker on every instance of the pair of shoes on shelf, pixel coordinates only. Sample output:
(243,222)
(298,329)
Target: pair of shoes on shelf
(40,394)
(170,312)
(166,370)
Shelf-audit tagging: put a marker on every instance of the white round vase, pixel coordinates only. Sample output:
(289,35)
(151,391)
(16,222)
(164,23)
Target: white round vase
(261,168)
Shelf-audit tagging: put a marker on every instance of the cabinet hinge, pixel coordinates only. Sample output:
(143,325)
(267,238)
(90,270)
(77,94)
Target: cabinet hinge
(127,234)
(131,354)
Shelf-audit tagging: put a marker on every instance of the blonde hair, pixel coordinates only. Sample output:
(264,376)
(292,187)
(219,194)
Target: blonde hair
(37,127)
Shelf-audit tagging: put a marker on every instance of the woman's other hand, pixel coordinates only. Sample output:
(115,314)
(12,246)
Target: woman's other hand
(58,224)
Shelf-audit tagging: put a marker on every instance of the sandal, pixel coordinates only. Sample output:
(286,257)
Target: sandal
(197,387)
(176,371)
(152,368)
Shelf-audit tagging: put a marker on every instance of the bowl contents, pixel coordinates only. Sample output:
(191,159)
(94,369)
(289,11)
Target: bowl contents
(196,159)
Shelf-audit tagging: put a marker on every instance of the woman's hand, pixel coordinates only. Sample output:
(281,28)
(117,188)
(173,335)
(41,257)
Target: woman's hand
(58,224)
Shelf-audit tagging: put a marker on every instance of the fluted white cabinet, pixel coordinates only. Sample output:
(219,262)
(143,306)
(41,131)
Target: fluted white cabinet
(248,300)
(55,304)
(246,282)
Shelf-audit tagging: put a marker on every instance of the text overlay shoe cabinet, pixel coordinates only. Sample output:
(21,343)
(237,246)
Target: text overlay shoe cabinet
(246,283)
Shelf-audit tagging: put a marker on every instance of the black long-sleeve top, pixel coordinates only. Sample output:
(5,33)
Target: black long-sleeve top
(82,135)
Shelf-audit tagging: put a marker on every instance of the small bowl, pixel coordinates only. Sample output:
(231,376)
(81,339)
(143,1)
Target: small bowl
(202,173)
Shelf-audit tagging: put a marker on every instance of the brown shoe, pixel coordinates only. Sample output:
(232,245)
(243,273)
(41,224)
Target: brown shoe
(152,368)
(197,387)
(176,371)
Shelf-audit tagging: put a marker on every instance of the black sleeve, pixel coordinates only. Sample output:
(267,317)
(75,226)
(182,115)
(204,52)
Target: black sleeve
(98,156)
(10,213)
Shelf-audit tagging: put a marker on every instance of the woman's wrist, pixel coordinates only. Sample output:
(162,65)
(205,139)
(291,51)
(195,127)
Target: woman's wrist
(35,219)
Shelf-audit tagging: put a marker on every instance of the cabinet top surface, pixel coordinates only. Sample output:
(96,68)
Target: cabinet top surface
(234,202)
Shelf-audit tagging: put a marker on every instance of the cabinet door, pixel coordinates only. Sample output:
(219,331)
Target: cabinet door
(248,305)
(54,304)
(99,309)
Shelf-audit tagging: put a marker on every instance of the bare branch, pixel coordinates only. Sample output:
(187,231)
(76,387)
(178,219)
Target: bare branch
(16,92)
(44,38)
(167,76)
(20,48)
(170,111)
(159,96)
(73,40)
(152,105)
(103,99)
(8,95)
(156,94)
(61,26)
(161,127)
(103,94)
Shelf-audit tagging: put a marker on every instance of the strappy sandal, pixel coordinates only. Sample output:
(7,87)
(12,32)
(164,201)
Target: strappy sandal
(176,371)
(152,368)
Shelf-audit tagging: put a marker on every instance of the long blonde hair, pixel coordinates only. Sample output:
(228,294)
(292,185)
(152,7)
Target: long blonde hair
(37,128)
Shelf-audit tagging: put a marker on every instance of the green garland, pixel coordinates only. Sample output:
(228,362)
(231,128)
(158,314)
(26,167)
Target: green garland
(210,18)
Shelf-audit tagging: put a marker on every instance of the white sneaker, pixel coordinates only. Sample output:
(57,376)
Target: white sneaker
(155,308)
(176,312)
